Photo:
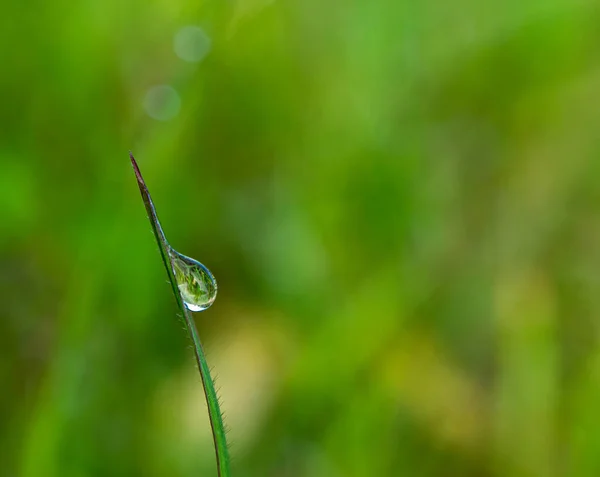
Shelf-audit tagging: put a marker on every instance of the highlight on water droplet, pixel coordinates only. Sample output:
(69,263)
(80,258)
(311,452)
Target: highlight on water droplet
(162,102)
(191,43)
(197,285)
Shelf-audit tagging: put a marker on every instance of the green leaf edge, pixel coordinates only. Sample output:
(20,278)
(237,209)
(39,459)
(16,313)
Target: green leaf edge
(214,411)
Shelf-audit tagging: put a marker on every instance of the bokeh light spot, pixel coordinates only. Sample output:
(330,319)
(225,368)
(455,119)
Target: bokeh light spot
(191,44)
(162,102)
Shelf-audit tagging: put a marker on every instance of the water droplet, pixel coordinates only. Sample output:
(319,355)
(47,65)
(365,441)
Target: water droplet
(196,283)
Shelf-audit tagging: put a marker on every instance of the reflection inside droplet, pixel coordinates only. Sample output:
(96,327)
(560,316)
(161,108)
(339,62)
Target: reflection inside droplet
(162,102)
(191,44)
(196,283)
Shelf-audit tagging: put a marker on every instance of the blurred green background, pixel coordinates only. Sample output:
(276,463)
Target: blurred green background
(400,202)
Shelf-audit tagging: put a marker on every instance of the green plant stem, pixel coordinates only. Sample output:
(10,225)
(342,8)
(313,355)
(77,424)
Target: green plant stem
(214,412)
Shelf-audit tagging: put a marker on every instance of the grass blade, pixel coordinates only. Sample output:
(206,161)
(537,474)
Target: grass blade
(214,412)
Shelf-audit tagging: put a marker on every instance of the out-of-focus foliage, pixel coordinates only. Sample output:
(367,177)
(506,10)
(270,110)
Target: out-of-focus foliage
(401,204)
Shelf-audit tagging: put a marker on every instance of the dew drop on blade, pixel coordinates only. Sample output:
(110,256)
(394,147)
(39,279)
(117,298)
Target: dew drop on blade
(196,283)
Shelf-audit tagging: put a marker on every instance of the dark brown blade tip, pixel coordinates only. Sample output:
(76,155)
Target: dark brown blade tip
(136,169)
